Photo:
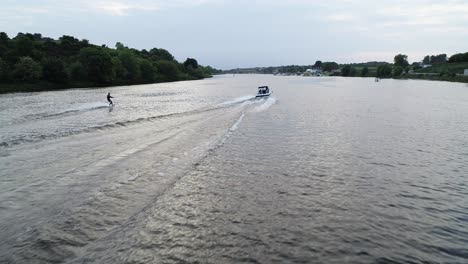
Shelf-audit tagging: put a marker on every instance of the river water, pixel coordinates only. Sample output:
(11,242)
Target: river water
(326,170)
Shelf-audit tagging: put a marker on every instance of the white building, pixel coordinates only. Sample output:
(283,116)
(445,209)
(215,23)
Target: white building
(312,72)
(465,72)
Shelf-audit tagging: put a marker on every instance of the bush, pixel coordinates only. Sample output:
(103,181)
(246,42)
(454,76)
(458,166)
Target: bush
(384,71)
(27,70)
(168,70)
(4,70)
(397,71)
(53,70)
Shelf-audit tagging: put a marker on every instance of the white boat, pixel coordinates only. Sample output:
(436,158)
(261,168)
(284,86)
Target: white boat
(263,91)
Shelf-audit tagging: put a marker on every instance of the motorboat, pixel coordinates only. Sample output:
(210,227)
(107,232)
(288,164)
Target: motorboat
(263,91)
(377,80)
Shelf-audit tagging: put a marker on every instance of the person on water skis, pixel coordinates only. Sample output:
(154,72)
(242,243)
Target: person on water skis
(109,99)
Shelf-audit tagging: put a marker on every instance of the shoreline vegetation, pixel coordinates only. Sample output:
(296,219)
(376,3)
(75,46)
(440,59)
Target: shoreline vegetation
(434,67)
(31,62)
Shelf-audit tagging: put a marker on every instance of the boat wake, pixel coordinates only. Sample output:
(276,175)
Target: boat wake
(80,108)
(55,134)
(265,104)
(242,99)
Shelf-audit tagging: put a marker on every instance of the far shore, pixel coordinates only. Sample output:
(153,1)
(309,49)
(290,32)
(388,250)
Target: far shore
(43,86)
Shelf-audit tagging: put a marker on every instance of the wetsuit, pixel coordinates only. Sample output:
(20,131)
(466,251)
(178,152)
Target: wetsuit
(109,99)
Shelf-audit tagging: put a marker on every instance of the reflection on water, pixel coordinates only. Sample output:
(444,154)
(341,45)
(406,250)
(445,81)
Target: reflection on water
(327,170)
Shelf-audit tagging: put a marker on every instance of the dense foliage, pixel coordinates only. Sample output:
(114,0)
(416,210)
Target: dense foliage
(365,71)
(401,60)
(434,59)
(67,62)
(384,70)
(347,70)
(459,57)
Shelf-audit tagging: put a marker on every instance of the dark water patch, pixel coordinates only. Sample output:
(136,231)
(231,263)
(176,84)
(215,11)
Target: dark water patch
(382,164)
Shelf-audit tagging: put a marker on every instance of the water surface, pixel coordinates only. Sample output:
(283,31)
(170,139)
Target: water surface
(326,170)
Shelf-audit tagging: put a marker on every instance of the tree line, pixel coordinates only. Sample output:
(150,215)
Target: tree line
(70,62)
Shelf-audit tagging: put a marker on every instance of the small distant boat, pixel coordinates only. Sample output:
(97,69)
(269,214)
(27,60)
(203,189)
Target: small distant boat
(263,91)
(377,80)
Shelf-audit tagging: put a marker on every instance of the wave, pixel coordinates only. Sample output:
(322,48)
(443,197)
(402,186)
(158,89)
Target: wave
(265,105)
(238,100)
(236,124)
(33,138)
(80,108)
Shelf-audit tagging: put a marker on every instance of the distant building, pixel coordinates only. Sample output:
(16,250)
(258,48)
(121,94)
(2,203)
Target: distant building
(313,72)
(465,72)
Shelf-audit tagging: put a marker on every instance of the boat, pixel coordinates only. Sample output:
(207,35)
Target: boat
(263,91)
(377,80)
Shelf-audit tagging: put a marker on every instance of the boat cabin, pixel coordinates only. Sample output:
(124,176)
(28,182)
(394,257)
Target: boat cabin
(263,90)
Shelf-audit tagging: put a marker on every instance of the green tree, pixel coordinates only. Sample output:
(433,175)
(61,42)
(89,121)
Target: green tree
(401,60)
(119,69)
(77,71)
(365,71)
(160,54)
(397,71)
(30,57)
(384,71)
(459,57)
(4,38)
(24,46)
(191,62)
(70,46)
(329,66)
(119,46)
(130,63)
(318,64)
(27,70)
(427,60)
(347,70)
(168,70)
(53,70)
(4,70)
(98,64)
(148,71)
(441,58)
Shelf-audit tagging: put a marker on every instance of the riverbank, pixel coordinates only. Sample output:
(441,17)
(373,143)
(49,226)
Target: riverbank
(457,78)
(31,62)
(43,86)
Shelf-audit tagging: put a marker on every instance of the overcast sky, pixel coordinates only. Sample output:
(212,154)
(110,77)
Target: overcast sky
(243,33)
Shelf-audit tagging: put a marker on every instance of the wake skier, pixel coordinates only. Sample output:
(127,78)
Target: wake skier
(109,99)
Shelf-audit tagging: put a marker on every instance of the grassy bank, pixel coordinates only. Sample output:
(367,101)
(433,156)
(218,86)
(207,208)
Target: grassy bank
(445,68)
(435,77)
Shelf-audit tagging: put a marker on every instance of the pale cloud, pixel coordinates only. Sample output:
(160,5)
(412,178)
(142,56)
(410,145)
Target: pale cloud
(340,17)
(223,32)
(119,8)
(387,13)
(106,7)
(126,7)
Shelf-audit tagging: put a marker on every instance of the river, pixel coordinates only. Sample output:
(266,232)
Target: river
(325,170)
